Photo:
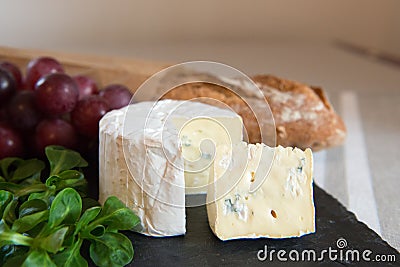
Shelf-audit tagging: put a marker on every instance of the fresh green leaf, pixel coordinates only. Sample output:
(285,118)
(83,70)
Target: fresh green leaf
(26,169)
(53,242)
(34,188)
(13,188)
(28,222)
(74,183)
(34,179)
(37,230)
(5,165)
(112,249)
(65,175)
(5,198)
(16,260)
(3,226)
(31,206)
(62,159)
(66,208)
(70,238)
(88,203)
(71,257)
(47,196)
(98,231)
(88,216)
(71,174)
(122,219)
(116,215)
(13,238)
(38,258)
(9,215)
(3,229)
(42,222)
(13,255)
(70,178)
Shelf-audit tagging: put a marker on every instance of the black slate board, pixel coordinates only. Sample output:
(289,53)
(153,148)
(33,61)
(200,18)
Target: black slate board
(199,247)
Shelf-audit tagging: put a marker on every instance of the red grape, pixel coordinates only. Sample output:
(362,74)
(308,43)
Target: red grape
(86,86)
(7,86)
(10,142)
(3,114)
(22,111)
(87,114)
(39,67)
(54,132)
(56,94)
(14,71)
(116,96)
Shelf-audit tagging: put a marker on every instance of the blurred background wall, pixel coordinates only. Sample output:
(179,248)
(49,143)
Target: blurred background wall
(114,27)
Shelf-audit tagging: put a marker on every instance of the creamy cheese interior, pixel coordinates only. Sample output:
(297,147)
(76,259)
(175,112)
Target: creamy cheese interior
(198,139)
(281,205)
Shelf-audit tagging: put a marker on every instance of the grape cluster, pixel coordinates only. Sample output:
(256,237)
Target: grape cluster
(49,107)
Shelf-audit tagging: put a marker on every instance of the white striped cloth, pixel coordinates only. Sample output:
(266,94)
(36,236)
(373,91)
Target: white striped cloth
(355,172)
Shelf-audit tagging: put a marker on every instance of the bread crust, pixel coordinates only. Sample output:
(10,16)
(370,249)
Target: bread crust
(302,115)
(305,118)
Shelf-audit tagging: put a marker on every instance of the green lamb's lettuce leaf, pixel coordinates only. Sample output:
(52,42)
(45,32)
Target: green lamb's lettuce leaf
(116,215)
(28,222)
(6,166)
(112,249)
(45,224)
(9,237)
(66,208)
(71,257)
(62,159)
(12,255)
(5,198)
(27,169)
(34,188)
(38,258)
(88,203)
(88,216)
(31,206)
(54,241)
(9,214)
(21,171)
(69,178)
(11,187)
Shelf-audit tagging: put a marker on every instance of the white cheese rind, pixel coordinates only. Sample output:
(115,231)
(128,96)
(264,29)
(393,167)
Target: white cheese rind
(281,207)
(141,159)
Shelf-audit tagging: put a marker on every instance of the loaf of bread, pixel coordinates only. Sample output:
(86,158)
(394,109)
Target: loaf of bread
(301,115)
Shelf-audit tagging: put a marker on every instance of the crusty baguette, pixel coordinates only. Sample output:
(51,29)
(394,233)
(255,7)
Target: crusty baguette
(303,115)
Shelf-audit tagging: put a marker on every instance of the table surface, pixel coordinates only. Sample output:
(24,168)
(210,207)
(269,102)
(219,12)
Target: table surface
(336,228)
(363,174)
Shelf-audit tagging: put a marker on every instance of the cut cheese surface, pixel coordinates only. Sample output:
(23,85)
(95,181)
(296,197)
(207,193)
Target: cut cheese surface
(265,200)
(150,153)
(198,139)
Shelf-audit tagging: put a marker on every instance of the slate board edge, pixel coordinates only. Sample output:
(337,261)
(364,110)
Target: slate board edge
(354,215)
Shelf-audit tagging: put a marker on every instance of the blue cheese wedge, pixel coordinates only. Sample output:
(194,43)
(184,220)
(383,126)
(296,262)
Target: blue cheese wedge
(152,153)
(259,191)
